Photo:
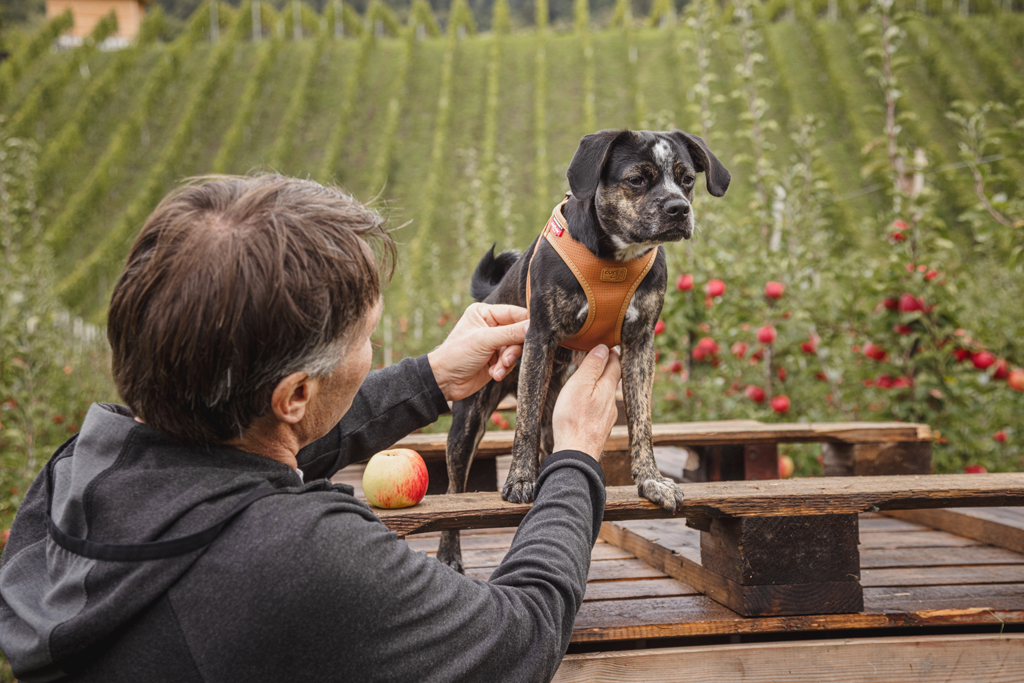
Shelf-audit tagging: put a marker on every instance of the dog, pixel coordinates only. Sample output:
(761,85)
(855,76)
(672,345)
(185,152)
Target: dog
(631,192)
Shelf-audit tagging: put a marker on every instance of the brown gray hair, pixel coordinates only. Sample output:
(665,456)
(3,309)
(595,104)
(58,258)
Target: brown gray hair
(232,284)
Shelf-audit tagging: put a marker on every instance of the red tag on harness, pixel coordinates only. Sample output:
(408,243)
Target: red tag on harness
(556,228)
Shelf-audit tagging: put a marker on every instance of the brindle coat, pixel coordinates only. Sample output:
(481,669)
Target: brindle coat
(631,192)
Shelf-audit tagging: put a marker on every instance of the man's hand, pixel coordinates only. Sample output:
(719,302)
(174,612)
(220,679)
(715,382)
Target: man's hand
(585,410)
(484,345)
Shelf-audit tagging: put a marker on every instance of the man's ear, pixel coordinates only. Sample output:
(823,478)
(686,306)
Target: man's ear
(588,162)
(715,173)
(291,396)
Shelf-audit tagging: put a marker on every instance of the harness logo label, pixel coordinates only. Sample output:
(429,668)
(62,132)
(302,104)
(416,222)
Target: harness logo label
(556,228)
(613,275)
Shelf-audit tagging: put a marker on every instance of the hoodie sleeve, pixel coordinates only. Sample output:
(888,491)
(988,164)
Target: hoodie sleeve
(392,403)
(354,602)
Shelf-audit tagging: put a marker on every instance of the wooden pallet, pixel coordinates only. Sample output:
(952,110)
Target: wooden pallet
(913,576)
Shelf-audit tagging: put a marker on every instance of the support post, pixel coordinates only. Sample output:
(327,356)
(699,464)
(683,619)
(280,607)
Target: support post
(785,566)
(734,462)
(876,459)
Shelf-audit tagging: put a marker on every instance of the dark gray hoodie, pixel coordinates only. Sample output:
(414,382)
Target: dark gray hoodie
(305,584)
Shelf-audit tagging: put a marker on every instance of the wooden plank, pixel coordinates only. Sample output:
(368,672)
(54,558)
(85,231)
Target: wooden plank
(495,442)
(874,522)
(943,576)
(492,557)
(641,588)
(952,659)
(812,496)
(1002,527)
(874,459)
(601,570)
(877,558)
(914,539)
(884,607)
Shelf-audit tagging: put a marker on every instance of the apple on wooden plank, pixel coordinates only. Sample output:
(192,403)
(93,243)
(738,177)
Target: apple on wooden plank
(395,478)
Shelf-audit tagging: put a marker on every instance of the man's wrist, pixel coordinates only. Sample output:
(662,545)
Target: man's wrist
(439,375)
(592,450)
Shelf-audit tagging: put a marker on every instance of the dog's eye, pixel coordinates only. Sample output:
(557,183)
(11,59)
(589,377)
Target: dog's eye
(688,180)
(636,181)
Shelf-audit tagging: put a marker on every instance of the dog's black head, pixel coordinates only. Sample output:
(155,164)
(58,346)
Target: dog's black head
(639,186)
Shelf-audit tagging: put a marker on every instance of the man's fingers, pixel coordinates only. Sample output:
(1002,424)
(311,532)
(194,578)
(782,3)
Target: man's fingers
(591,368)
(612,373)
(512,334)
(496,315)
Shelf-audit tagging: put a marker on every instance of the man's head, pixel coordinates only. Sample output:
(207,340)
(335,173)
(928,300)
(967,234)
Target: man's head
(234,284)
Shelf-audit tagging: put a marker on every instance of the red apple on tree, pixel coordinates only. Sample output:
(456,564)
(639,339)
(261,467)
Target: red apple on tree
(754,393)
(739,349)
(395,478)
(767,334)
(659,327)
(685,282)
(1000,436)
(774,290)
(714,288)
(1016,379)
(975,469)
(1002,370)
(983,360)
(780,404)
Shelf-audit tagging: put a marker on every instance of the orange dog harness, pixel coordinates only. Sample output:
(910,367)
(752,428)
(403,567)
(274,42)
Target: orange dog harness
(609,285)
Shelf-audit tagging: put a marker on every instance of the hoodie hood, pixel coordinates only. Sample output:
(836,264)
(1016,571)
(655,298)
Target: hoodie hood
(116,484)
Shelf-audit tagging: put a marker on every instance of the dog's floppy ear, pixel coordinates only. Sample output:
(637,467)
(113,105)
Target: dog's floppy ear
(714,172)
(588,162)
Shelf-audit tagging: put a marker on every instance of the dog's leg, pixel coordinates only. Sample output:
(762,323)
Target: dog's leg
(469,422)
(534,376)
(637,386)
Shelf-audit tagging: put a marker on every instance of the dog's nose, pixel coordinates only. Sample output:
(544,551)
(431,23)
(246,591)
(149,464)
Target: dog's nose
(677,208)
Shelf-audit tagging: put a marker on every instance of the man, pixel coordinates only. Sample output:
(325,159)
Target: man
(194,535)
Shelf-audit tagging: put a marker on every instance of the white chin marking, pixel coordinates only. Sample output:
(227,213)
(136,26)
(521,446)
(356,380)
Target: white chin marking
(582,315)
(628,252)
(632,313)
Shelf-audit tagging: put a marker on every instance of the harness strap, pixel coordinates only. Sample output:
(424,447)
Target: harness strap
(608,285)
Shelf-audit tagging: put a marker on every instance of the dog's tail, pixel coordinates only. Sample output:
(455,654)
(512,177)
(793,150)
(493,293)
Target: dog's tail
(489,272)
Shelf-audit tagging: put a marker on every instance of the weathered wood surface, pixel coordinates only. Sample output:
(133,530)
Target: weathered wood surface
(432,446)
(626,601)
(1002,527)
(875,459)
(815,496)
(952,659)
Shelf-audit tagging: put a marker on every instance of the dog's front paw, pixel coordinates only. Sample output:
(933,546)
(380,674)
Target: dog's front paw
(517,491)
(661,491)
(449,551)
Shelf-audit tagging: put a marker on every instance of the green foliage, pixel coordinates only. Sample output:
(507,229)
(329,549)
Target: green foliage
(663,13)
(12,68)
(389,131)
(108,255)
(332,153)
(380,15)
(297,104)
(82,204)
(242,121)
(622,15)
(581,15)
(421,14)
(42,95)
(501,18)
(541,14)
(68,140)
(461,17)
(52,365)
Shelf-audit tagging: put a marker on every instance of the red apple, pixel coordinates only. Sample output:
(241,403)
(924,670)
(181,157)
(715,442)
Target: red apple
(782,374)
(707,346)
(903,329)
(1002,371)
(714,288)
(767,334)
(910,303)
(931,275)
(983,360)
(774,290)
(395,478)
(961,354)
(810,346)
(890,304)
(875,352)
(659,327)
(1000,436)
(684,283)
(902,383)
(1016,379)
(739,349)
(975,469)
(780,404)
(754,393)
(884,382)
(675,366)
(786,467)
